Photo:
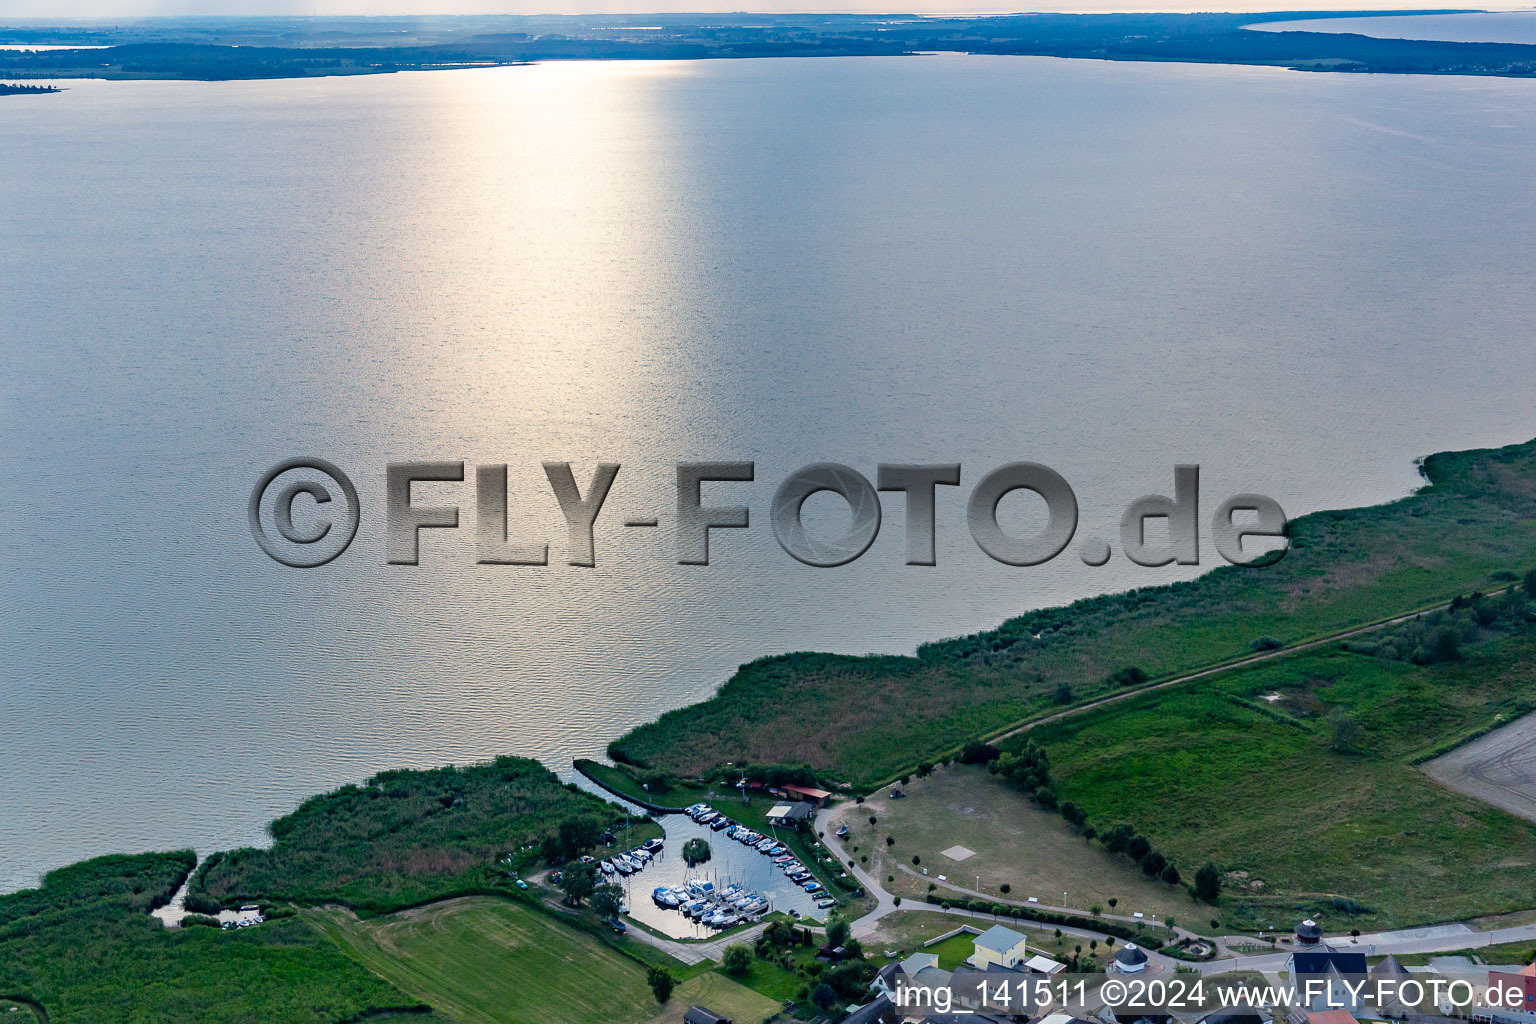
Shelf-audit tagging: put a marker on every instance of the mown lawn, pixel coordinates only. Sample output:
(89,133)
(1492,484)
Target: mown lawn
(1013,842)
(868,719)
(482,960)
(723,996)
(1216,771)
(953,951)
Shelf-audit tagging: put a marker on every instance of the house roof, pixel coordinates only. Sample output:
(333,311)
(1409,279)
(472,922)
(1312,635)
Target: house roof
(998,939)
(1312,962)
(1309,930)
(699,1015)
(1331,1017)
(1390,966)
(793,812)
(877,1011)
(1043,964)
(1234,1015)
(810,791)
(917,961)
(1130,954)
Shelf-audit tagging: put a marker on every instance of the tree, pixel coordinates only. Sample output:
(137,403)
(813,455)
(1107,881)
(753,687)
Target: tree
(1171,875)
(577,882)
(1029,769)
(1344,732)
(925,769)
(824,996)
(1529,585)
(1130,676)
(575,837)
(1208,882)
(1153,863)
(977,752)
(661,981)
(1114,901)
(606,900)
(895,901)
(1118,838)
(1063,693)
(1138,848)
(737,960)
(695,851)
(837,931)
(1444,646)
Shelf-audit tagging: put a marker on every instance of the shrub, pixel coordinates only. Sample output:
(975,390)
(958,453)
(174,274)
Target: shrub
(661,981)
(1344,732)
(977,752)
(1132,675)
(1265,643)
(737,960)
(1208,882)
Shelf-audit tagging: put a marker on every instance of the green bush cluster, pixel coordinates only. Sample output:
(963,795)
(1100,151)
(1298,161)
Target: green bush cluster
(407,837)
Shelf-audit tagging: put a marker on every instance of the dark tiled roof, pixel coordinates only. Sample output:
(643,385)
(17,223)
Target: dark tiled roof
(1318,962)
(878,1011)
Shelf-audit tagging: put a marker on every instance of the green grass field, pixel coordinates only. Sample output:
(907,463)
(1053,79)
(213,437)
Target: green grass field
(1216,771)
(867,719)
(482,960)
(84,947)
(1013,842)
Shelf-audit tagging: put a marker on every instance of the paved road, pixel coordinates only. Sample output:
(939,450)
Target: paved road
(1499,768)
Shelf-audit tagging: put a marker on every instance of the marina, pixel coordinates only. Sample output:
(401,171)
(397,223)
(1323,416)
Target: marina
(742,880)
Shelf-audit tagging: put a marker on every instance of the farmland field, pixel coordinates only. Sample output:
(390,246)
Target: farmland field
(1243,769)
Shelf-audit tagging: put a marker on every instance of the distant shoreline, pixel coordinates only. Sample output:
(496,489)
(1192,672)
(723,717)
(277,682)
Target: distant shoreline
(250,49)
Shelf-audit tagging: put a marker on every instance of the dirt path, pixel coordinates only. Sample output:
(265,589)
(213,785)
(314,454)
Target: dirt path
(1256,659)
(1499,768)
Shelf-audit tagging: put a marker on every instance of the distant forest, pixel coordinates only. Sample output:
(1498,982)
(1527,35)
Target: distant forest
(219,49)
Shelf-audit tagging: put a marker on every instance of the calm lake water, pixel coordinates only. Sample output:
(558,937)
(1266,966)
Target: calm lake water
(1482,27)
(1300,281)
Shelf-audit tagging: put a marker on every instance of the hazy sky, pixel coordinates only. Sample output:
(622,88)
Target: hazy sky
(71,9)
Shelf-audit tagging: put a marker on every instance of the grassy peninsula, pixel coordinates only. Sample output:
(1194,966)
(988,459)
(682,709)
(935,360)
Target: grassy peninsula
(83,948)
(864,720)
(220,49)
(406,838)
